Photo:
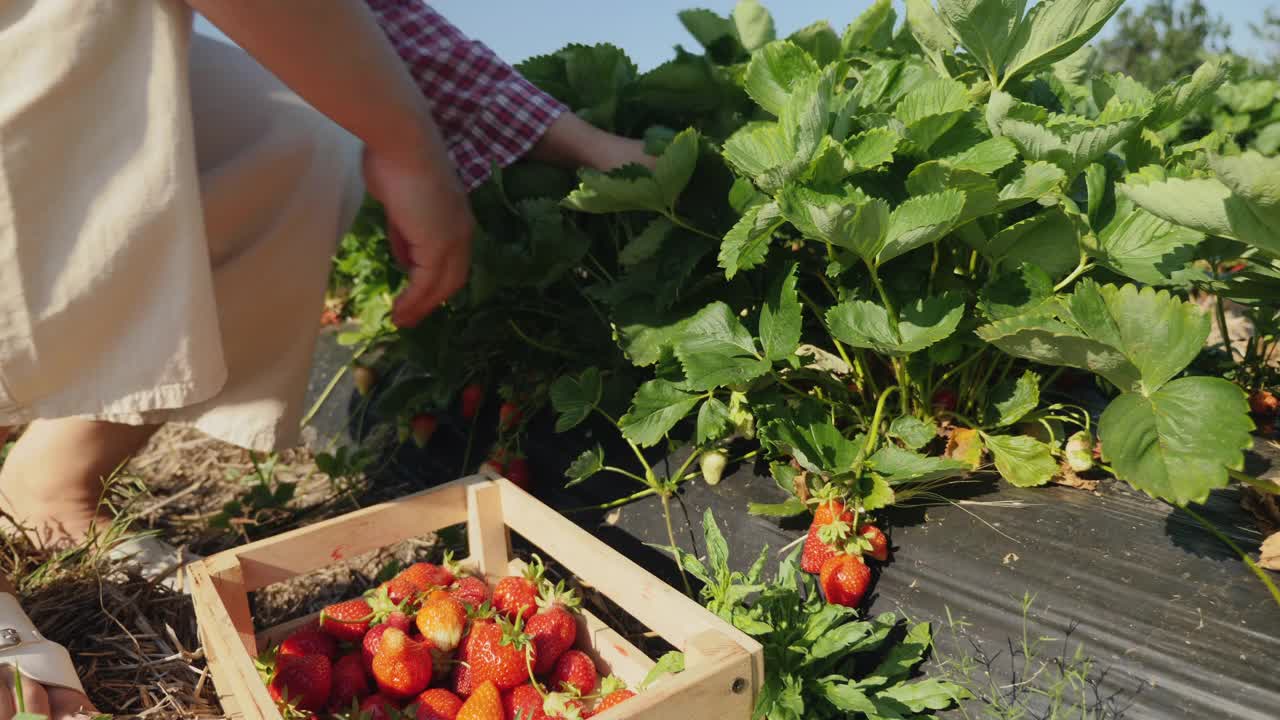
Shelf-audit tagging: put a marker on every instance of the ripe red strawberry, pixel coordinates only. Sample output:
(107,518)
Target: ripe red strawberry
(422,427)
(945,399)
(460,680)
(518,473)
(553,629)
(484,704)
(831,524)
(1263,402)
(576,670)
(438,704)
(349,682)
(347,621)
(364,378)
(879,543)
(844,580)
(508,416)
(399,591)
(472,396)
(378,707)
(402,667)
(516,598)
(495,651)
(612,699)
(369,645)
(442,620)
(302,681)
(471,591)
(309,641)
(526,703)
(425,576)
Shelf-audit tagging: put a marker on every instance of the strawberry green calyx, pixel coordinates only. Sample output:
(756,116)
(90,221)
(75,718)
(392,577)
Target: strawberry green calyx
(610,685)
(552,595)
(535,571)
(513,633)
(835,534)
(562,705)
(383,606)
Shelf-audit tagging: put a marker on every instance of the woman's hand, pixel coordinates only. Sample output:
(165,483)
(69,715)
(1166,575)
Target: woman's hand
(430,223)
(573,142)
(53,703)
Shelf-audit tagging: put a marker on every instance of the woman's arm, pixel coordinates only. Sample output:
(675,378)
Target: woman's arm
(335,57)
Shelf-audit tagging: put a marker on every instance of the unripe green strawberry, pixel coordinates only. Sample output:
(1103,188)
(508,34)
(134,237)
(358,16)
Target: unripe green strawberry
(364,378)
(1080,451)
(712,464)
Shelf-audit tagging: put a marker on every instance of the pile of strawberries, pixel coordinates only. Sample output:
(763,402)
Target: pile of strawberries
(435,644)
(836,550)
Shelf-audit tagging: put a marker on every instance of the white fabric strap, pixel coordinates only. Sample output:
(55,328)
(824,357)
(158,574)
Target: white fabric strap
(23,647)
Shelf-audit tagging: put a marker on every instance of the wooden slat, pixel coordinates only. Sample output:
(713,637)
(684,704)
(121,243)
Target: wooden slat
(663,609)
(310,548)
(717,687)
(487,539)
(232,667)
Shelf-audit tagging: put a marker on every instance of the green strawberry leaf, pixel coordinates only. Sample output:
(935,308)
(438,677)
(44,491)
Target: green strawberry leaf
(585,466)
(985,28)
(905,656)
(781,319)
(713,420)
(657,407)
(867,325)
(715,350)
(1146,248)
(920,221)
(913,432)
(573,398)
(872,30)
(818,447)
(669,664)
(1022,460)
(754,24)
(746,245)
(1011,400)
(1178,442)
(986,157)
(1052,31)
(644,246)
(900,466)
(774,72)
(929,111)
(928,694)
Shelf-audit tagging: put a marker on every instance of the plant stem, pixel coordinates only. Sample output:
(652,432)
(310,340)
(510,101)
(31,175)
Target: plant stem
(671,537)
(333,383)
(614,503)
(627,474)
(1262,574)
(1084,267)
(675,220)
(1221,311)
(873,432)
(1258,484)
(537,344)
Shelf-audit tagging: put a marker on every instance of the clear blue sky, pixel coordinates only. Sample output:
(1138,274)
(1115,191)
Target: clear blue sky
(649,29)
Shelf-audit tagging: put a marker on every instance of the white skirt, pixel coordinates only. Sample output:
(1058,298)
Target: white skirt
(168,213)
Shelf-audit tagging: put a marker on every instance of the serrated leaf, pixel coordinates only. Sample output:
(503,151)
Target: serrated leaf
(1049,240)
(754,23)
(1178,442)
(1037,180)
(921,324)
(1053,30)
(647,244)
(774,72)
(1209,206)
(713,420)
(871,149)
(876,493)
(585,466)
(929,30)
(674,168)
(668,664)
(623,190)
(986,157)
(781,319)
(818,447)
(980,191)
(984,27)
(815,214)
(928,694)
(872,30)
(762,152)
(932,109)
(1041,337)
(1146,248)
(818,39)
(656,408)
(1023,461)
(1188,94)
(904,466)
(1070,143)
(746,245)
(1012,400)
(920,221)
(717,548)
(718,35)
(573,398)
(913,432)
(1015,293)
(715,350)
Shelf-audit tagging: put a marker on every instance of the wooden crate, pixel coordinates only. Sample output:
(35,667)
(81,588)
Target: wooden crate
(724,668)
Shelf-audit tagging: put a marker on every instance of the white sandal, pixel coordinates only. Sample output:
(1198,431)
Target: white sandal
(156,559)
(29,652)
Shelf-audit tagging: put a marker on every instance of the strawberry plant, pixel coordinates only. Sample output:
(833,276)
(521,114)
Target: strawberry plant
(877,259)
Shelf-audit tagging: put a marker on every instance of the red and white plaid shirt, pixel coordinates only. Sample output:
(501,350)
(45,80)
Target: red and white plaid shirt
(486,110)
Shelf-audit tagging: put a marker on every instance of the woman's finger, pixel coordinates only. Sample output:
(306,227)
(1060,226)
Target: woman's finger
(67,704)
(34,699)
